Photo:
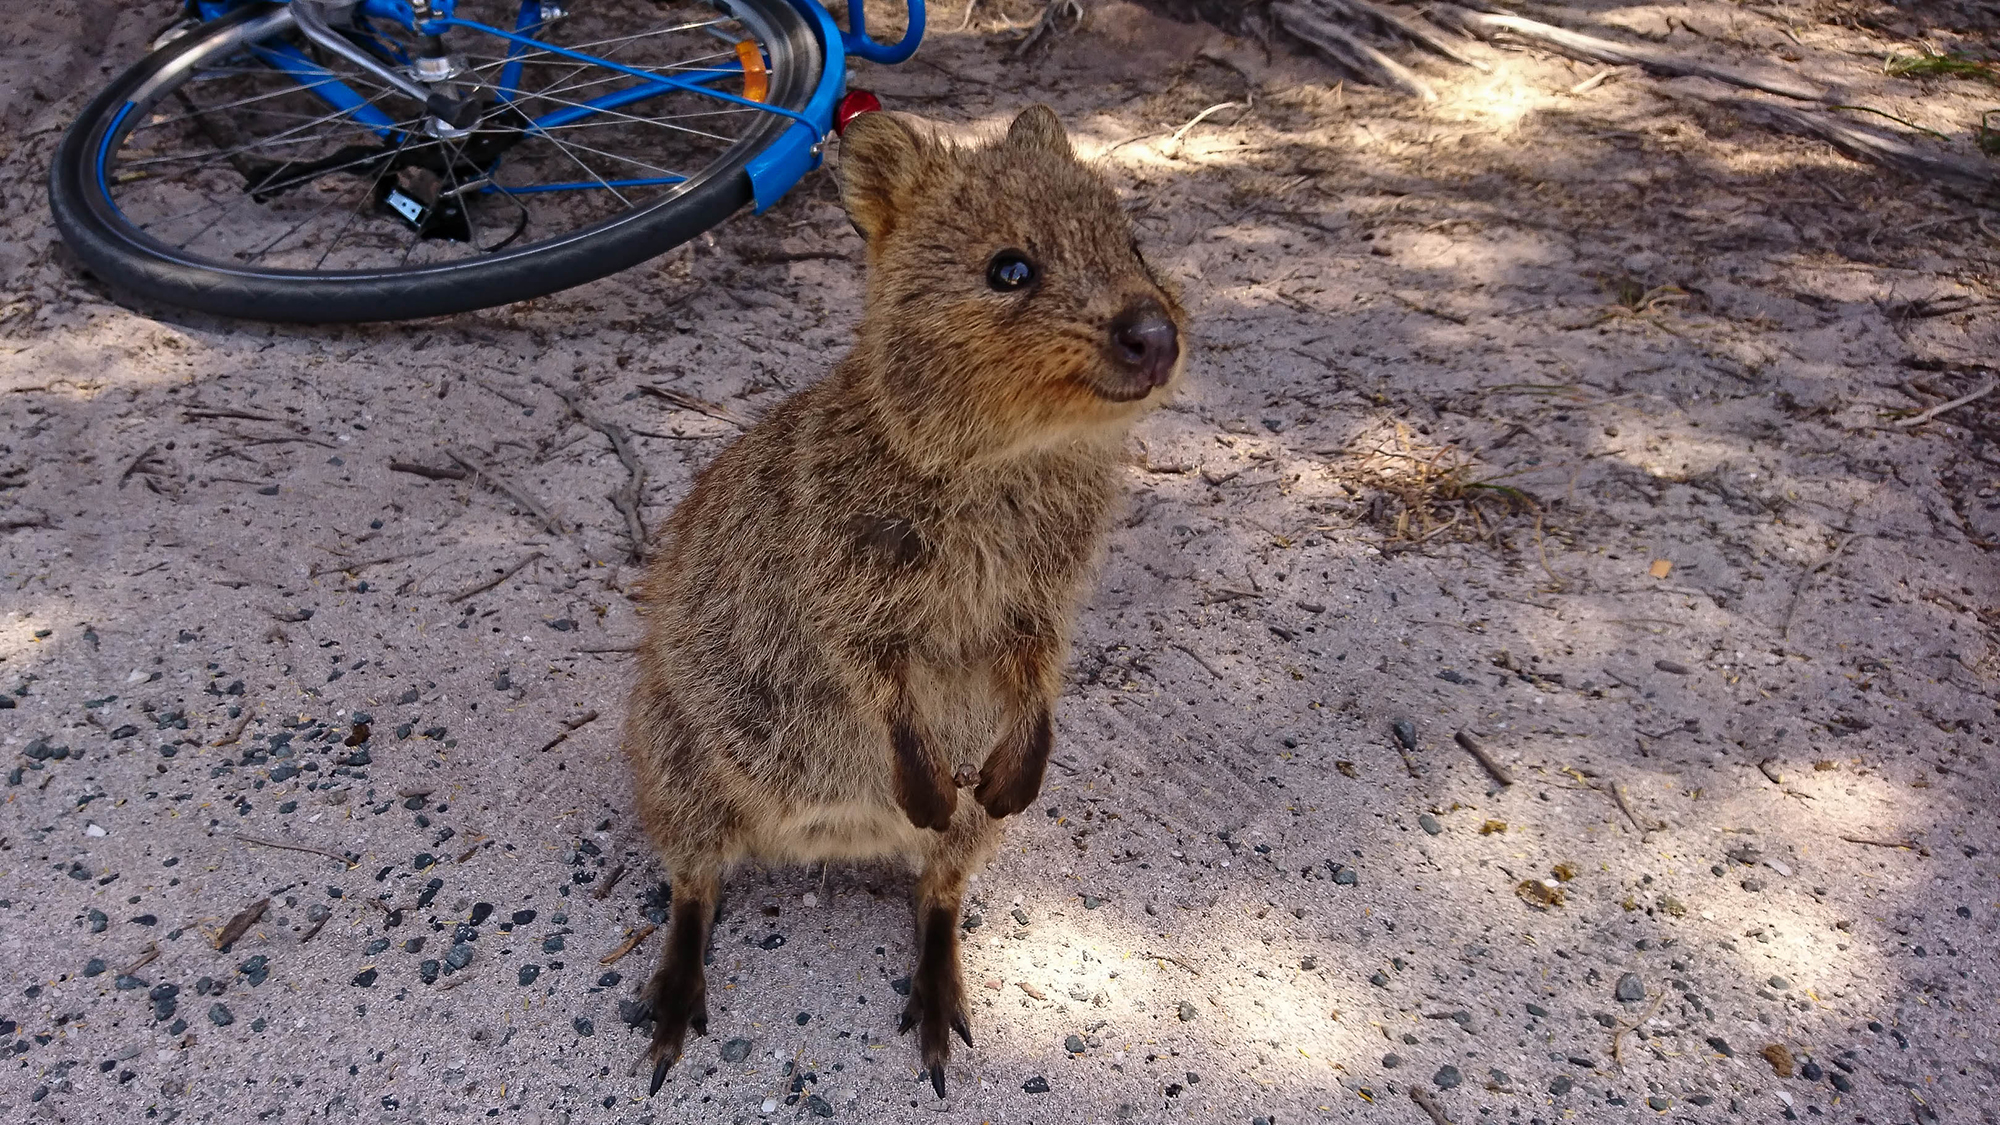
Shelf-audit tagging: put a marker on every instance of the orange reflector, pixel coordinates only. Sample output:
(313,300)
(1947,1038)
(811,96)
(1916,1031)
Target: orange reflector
(756,79)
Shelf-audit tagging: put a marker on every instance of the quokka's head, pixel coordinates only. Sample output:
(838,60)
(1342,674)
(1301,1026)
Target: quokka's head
(1008,303)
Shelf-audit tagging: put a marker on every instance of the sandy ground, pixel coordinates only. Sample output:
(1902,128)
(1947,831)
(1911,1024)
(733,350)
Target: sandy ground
(1765,772)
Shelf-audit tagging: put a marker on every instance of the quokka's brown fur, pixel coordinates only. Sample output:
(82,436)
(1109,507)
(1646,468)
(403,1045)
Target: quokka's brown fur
(861,610)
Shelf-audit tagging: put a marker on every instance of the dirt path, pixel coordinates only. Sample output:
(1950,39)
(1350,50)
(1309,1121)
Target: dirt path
(1565,420)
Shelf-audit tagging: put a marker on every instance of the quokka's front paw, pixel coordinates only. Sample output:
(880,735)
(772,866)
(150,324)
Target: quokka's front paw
(936,1009)
(679,1003)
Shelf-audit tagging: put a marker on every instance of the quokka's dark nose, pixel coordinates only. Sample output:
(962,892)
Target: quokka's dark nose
(1145,342)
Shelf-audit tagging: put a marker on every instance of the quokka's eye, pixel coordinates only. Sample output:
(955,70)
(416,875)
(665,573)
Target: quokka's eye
(1009,270)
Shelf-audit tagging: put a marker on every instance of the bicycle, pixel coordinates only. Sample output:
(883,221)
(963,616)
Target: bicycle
(327,161)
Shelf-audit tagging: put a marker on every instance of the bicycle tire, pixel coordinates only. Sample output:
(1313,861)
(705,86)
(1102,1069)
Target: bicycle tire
(131,261)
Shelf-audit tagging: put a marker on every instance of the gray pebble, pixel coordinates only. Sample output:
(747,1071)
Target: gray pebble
(1447,1077)
(1753,885)
(1073,1044)
(1429,823)
(1187,1012)
(1346,876)
(529,973)
(457,957)
(1779,984)
(1630,988)
(1720,1046)
(1561,1085)
(1538,1010)
(1380,979)
(736,1050)
(220,1015)
(1660,1102)
(1499,1077)
(1673,667)
(1392,1060)
(584,1027)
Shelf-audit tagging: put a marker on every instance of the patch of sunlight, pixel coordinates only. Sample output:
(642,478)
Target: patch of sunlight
(1500,101)
(32,632)
(1219,973)
(117,349)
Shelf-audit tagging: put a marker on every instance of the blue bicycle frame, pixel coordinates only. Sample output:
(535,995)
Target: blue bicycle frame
(772,171)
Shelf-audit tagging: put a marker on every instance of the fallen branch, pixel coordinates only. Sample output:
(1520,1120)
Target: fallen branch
(1487,25)
(1367,63)
(1866,145)
(1415,29)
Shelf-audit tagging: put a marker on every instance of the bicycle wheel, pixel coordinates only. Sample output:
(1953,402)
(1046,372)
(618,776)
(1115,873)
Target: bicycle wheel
(243,170)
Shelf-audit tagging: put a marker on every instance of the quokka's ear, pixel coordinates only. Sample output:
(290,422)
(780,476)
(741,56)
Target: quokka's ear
(880,161)
(1038,127)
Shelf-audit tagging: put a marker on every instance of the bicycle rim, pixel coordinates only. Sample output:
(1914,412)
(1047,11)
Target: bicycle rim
(251,156)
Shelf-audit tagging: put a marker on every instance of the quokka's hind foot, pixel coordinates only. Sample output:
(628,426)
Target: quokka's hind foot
(679,990)
(937,996)
(679,1002)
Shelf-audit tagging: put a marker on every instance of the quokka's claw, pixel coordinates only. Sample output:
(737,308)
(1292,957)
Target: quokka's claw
(659,1075)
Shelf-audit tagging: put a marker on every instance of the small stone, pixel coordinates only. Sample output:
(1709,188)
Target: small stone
(1630,988)
(772,941)
(583,1026)
(365,978)
(553,944)
(1405,732)
(1812,1072)
(1392,1060)
(529,973)
(1672,667)
(1753,885)
(1346,876)
(1841,1082)
(1092,902)
(1187,1012)
(1561,1084)
(1779,984)
(523,917)
(1538,1010)
(1379,979)
(770,1106)
(1447,1078)
(1429,823)
(804,1018)
(736,1050)
(1073,1044)
(1035,1085)
(820,1106)
(457,957)
(1660,1102)
(220,1016)
(1720,1046)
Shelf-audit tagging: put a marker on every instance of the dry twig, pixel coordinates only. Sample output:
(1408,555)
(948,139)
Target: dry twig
(626,499)
(1472,747)
(485,586)
(519,496)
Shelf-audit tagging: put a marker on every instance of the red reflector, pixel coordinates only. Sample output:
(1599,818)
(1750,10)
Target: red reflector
(853,105)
